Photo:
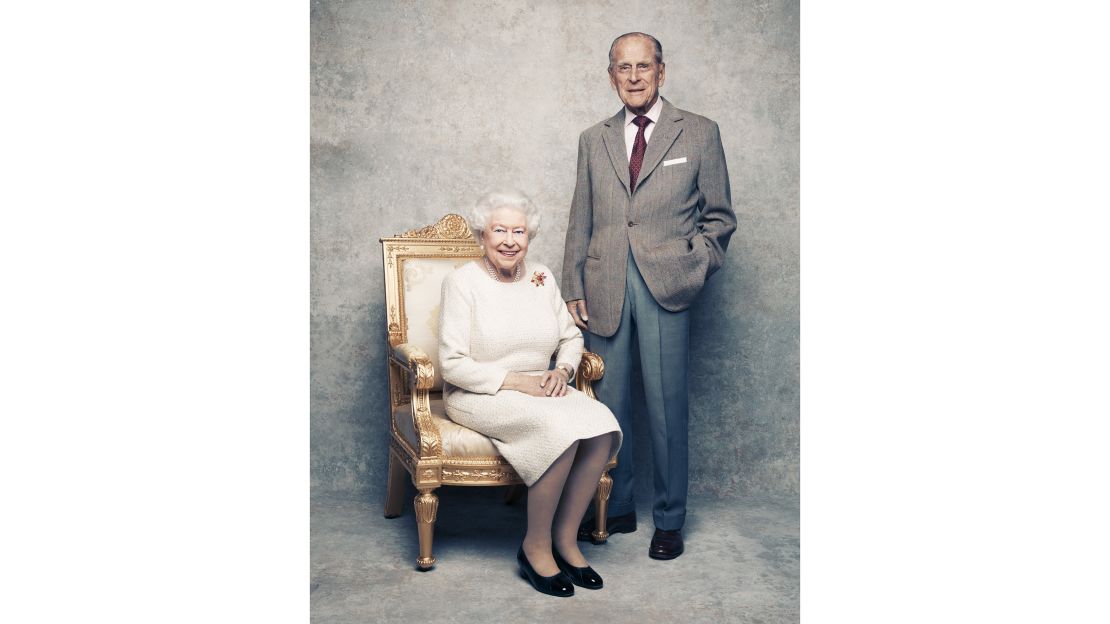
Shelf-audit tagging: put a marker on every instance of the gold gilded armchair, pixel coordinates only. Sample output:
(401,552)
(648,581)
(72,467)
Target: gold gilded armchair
(424,443)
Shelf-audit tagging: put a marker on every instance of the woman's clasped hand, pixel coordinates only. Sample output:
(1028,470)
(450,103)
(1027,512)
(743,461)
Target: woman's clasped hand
(552,383)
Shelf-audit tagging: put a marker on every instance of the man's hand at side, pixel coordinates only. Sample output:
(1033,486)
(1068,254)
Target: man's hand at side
(577,309)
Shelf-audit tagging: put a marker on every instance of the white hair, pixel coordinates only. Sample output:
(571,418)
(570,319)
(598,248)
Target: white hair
(479,216)
(658,47)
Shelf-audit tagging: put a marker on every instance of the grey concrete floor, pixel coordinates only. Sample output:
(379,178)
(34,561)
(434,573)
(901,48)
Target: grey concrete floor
(741,565)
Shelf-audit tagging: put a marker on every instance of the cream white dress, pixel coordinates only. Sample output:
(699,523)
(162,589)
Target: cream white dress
(489,328)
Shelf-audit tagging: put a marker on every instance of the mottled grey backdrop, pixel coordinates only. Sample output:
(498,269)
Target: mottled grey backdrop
(419,107)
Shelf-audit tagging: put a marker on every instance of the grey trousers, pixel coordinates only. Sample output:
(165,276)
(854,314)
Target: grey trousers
(664,339)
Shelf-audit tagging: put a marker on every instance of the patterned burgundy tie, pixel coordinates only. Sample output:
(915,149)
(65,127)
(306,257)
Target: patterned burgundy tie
(639,146)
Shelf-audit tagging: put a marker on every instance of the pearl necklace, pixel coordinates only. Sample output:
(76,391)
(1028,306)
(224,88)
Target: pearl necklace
(493,273)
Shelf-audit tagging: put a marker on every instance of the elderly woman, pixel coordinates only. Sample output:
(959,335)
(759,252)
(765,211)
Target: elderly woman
(501,320)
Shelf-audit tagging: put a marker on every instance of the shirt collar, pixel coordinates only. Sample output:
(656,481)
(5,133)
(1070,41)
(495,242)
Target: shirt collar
(652,114)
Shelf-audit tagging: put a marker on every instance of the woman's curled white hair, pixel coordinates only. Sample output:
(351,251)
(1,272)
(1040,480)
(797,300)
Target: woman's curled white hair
(479,216)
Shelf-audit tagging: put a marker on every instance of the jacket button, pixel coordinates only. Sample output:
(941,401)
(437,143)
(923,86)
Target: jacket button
(630,224)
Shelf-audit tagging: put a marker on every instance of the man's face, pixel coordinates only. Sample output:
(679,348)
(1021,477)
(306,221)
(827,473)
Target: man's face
(635,75)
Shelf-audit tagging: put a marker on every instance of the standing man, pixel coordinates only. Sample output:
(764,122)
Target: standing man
(649,223)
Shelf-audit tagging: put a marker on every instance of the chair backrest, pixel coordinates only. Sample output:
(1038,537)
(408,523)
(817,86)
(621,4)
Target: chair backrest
(415,264)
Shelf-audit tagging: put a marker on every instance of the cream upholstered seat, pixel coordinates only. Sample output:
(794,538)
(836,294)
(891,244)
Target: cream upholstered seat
(456,440)
(424,443)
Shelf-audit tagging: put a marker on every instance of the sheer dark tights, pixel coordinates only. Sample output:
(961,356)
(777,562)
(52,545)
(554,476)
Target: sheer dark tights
(558,500)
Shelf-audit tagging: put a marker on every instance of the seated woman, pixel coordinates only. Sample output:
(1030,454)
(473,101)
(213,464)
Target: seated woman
(500,322)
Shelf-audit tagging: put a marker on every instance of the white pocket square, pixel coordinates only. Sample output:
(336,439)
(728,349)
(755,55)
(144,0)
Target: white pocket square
(674,161)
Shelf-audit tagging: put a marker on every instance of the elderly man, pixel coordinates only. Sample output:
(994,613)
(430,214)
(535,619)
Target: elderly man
(649,223)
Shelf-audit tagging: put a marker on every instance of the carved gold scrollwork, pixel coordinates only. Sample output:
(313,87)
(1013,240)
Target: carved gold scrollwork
(429,434)
(451,226)
(592,366)
(423,373)
(391,250)
(590,369)
(465,475)
(394,326)
(424,232)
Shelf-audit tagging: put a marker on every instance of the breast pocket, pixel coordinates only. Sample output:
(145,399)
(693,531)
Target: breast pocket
(680,175)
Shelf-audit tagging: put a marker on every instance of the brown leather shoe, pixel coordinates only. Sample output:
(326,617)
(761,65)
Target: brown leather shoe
(666,544)
(614,524)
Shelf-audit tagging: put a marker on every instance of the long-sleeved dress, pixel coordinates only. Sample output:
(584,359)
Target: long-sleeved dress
(489,328)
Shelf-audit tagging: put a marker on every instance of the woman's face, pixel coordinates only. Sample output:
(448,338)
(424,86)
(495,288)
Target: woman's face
(506,240)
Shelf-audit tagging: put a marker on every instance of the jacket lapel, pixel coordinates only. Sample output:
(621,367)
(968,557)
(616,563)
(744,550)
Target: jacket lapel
(614,144)
(661,140)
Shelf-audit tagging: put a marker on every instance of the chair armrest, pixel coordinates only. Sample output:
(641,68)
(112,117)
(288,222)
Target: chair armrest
(413,359)
(421,374)
(590,369)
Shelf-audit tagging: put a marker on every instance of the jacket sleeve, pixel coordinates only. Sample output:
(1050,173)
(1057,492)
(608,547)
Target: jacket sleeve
(457,367)
(579,228)
(717,221)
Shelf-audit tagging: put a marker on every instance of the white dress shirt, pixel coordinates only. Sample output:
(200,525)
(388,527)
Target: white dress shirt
(630,128)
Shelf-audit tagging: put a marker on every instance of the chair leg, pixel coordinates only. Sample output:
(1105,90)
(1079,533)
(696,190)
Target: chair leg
(426,504)
(601,500)
(395,487)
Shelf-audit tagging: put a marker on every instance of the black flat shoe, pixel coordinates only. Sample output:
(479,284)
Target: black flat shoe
(582,577)
(613,524)
(559,585)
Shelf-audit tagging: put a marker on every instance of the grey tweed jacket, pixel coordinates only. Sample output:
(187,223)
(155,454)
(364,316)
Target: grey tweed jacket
(677,223)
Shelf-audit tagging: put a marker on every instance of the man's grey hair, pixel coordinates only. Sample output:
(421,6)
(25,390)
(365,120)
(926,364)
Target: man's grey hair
(654,42)
(479,216)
